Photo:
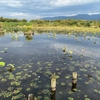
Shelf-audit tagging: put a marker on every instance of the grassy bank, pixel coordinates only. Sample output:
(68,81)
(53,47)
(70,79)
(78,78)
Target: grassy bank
(69,29)
(30,26)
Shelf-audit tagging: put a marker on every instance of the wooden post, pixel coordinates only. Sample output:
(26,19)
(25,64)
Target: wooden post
(74,75)
(53,84)
(74,81)
(30,97)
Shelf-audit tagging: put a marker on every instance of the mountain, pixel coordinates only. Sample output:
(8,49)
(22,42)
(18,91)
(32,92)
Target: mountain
(79,17)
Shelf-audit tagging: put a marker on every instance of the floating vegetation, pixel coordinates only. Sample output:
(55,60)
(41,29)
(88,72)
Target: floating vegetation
(46,91)
(11,76)
(70,92)
(94,42)
(62,83)
(11,67)
(34,84)
(17,91)
(54,76)
(46,98)
(49,64)
(18,96)
(60,92)
(3,80)
(28,89)
(70,98)
(2,64)
(82,69)
(97,91)
(64,49)
(38,63)
(70,52)
(16,83)
(10,88)
(5,94)
(67,77)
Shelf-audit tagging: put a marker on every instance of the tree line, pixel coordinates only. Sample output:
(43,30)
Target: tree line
(11,20)
(54,23)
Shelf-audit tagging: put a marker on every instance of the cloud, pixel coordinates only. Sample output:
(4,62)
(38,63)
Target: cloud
(33,9)
(70,2)
(90,51)
(12,3)
(21,15)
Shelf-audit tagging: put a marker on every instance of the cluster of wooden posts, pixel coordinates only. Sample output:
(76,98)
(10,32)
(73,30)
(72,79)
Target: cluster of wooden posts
(53,86)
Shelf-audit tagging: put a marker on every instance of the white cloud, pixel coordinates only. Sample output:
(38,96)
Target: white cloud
(12,3)
(94,13)
(34,9)
(18,14)
(23,15)
(77,49)
(70,2)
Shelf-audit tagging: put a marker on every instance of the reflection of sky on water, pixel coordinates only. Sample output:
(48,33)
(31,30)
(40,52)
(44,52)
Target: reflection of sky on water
(44,43)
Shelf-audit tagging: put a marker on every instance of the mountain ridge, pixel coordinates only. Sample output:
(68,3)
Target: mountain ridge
(77,17)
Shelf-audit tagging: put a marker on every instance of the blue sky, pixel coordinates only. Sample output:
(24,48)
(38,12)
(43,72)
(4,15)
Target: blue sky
(35,9)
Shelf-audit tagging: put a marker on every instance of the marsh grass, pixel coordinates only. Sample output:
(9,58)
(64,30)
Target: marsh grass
(69,29)
(27,26)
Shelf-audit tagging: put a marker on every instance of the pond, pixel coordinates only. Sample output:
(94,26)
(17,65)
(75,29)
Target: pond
(36,57)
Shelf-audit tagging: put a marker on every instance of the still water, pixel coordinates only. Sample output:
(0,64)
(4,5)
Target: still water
(37,56)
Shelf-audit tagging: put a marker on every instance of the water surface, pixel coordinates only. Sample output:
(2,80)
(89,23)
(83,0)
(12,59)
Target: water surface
(37,58)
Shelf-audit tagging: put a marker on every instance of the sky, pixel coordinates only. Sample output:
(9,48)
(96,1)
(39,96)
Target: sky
(36,9)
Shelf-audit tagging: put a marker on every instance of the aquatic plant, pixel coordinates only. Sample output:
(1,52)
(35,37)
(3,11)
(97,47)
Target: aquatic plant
(64,49)
(94,42)
(70,98)
(18,96)
(11,67)
(2,64)
(62,83)
(70,52)
(54,76)
(83,51)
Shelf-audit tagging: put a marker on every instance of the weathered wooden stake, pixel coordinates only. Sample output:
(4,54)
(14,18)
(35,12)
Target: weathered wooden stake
(74,75)
(53,84)
(74,81)
(30,97)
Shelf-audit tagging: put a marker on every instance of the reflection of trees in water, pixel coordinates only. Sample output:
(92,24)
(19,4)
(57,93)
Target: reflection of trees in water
(1,32)
(28,35)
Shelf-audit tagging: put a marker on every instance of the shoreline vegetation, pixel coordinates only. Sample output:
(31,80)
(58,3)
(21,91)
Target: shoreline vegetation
(68,25)
(70,29)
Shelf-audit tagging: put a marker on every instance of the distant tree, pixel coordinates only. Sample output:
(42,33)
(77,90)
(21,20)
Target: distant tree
(24,20)
(1,19)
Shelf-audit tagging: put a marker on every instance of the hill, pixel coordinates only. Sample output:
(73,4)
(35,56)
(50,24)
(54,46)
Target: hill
(78,17)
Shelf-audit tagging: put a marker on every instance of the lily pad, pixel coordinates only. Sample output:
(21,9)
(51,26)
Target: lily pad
(2,64)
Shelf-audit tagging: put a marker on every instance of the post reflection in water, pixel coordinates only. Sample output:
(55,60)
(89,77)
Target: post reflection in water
(74,84)
(74,81)
(53,95)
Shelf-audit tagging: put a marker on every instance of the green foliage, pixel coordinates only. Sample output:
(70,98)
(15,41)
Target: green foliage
(11,67)
(54,76)
(2,64)
(69,25)
(67,22)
